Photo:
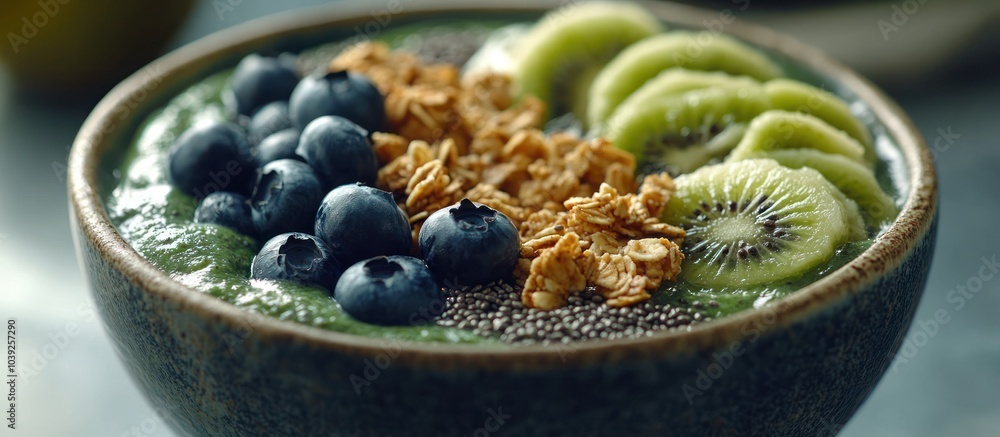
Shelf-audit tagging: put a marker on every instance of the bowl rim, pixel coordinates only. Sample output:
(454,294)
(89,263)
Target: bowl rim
(91,221)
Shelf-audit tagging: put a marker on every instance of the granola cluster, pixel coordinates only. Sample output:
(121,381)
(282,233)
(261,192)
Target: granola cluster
(612,241)
(430,103)
(455,138)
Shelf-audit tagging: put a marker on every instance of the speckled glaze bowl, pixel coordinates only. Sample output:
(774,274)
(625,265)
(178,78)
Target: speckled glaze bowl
(801,367)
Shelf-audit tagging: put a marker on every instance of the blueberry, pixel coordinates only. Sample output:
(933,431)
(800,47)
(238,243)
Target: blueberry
(339,151)
(348,95)
(297,257)
(359,222)
(226,209)
(279,145)
(387,290)
(259,80)
(286,198)
(271,118)
(212,157)
(468,243)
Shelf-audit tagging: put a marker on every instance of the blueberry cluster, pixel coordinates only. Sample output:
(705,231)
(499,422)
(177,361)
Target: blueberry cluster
(296,169)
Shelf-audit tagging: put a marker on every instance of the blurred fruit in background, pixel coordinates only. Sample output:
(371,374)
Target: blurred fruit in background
(902,45)
(75,48)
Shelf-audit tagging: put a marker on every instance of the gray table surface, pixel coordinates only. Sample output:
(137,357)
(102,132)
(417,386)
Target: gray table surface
(946,382)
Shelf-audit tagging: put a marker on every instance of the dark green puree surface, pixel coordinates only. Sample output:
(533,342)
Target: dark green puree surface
(158,221)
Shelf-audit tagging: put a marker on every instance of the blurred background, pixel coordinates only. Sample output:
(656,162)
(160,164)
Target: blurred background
(937,59)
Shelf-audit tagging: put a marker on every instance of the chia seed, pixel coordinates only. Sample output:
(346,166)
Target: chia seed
(495,310)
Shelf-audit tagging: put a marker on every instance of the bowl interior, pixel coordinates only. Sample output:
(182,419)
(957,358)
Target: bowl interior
(105,137)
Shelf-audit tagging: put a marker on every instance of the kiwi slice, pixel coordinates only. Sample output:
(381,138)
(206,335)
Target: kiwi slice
(684,132)
(674,81)
(754,222)
(852,213)
(856,181)
(560,55)
(776,130)
(643,60)
(792,95)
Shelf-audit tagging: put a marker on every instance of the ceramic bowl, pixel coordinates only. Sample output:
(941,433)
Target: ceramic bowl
(800,367)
